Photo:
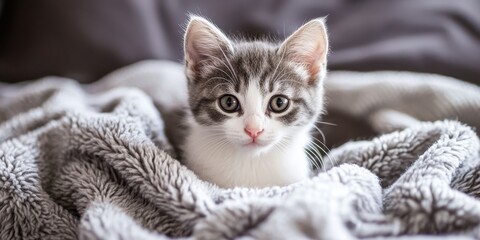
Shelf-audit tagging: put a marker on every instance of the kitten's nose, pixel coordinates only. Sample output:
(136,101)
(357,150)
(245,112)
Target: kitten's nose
(253,133)
(253,125)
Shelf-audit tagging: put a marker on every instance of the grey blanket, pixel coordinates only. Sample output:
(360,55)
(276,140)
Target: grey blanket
(93,162)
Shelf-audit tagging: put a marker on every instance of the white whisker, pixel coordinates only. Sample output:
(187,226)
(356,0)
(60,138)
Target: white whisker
(321,133)
(327,123)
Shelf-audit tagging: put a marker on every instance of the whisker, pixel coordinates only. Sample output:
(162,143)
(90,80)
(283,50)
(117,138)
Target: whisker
(313,159)
(313,155)
(222,78)
(276,68)
(228,61)
(332,161)
(318,158)
(221,61)
(221,84)
(327,123)
(321,133)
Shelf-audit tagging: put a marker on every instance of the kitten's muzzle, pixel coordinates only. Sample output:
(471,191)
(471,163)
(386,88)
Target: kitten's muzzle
(253,126)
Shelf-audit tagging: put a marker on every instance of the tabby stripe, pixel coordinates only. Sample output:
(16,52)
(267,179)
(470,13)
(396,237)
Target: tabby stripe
(202,102)
(290,117)
(305,105)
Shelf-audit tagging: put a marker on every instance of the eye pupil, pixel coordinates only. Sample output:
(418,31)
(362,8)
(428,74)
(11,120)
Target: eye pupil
(229,101)
(280,102)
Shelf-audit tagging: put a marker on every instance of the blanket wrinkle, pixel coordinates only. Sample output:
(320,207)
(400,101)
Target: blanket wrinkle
(95,162)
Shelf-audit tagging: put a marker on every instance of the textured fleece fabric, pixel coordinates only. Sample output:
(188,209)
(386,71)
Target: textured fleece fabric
(93,162)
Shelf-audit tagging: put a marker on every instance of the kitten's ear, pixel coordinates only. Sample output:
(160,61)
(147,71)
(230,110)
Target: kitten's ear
(308,46)
(203,44)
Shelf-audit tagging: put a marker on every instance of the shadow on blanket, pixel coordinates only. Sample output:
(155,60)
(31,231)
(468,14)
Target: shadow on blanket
(93,162)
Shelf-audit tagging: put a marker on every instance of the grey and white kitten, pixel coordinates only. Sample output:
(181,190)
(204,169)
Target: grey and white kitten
(253,104)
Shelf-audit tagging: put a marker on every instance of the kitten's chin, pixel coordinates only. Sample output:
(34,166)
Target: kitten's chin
(256,145)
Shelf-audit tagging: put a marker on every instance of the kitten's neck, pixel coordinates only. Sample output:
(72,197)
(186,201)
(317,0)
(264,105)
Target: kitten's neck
(226,165)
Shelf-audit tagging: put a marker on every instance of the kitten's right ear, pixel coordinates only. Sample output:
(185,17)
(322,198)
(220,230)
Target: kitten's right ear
(203,44)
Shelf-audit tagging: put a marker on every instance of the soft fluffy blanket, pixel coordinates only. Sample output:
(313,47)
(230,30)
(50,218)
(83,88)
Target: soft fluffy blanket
(93,162)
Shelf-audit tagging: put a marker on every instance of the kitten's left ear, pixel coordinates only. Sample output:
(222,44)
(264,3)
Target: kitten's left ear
(308,46)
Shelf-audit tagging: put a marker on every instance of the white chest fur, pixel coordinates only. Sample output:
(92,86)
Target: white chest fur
(226,165)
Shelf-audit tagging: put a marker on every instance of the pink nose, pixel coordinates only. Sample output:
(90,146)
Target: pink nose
(253,133)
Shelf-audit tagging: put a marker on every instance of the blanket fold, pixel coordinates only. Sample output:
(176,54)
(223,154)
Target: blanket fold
(94,162)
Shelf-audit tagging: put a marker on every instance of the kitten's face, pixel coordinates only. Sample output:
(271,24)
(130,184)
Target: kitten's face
(255,95)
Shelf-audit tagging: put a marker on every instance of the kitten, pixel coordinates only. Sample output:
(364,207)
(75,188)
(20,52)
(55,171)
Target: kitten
(253,104)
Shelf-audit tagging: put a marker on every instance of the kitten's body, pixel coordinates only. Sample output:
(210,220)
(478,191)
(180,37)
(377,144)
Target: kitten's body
(279,95)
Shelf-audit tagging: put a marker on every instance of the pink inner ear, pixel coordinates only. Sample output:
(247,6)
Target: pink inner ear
(196,54)
(313,61)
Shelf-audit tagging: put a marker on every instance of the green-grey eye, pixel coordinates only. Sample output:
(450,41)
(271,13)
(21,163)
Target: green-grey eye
(279,103)
(229,103)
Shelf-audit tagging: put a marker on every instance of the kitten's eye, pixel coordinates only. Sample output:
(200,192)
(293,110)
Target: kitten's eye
(229,103)
(278,104)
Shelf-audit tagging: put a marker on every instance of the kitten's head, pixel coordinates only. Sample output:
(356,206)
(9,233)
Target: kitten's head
(255,94)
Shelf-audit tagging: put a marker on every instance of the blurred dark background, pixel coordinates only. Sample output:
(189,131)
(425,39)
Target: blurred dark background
(87,39)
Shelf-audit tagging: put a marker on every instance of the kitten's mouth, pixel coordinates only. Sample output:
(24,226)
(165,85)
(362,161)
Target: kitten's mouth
(255,143)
